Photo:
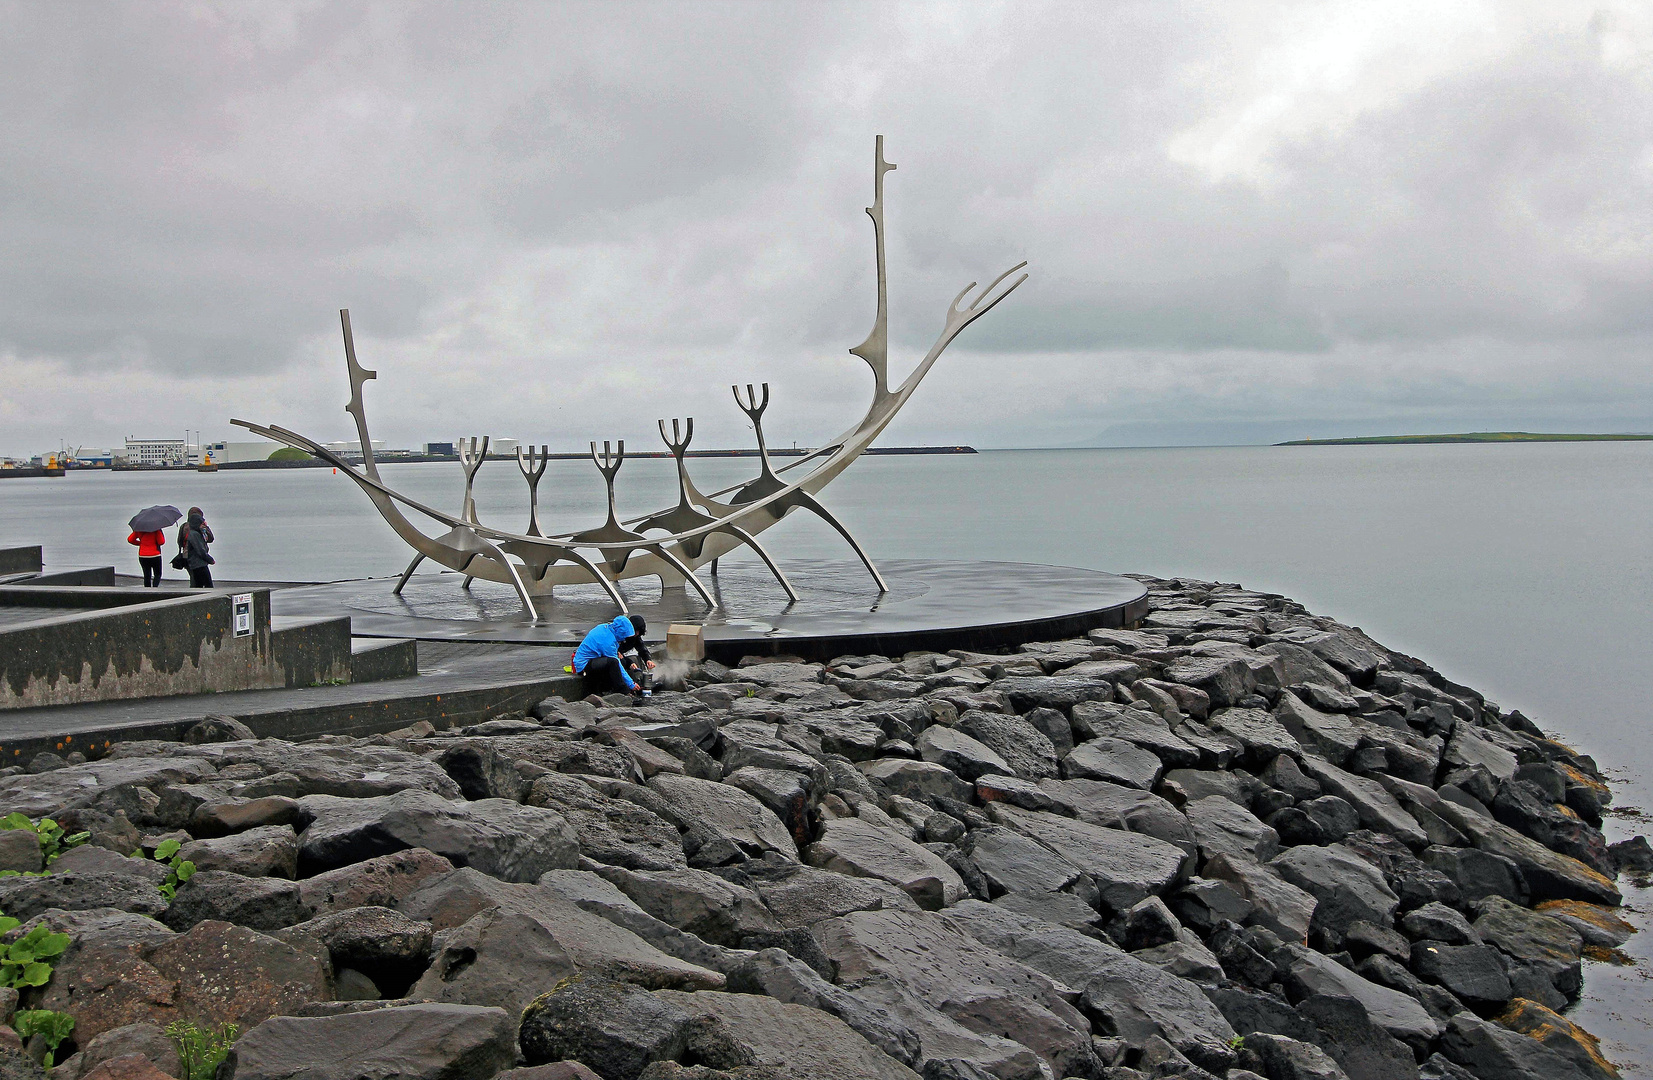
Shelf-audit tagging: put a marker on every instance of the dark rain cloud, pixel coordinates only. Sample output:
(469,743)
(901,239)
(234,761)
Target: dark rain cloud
(560,220)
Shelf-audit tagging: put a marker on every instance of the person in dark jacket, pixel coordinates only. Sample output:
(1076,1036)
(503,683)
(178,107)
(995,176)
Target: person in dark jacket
(193,537)
(149,555)
(600,659)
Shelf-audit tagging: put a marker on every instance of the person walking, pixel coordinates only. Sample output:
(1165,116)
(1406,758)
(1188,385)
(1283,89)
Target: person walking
(193,537)
(149,555)
(600,663)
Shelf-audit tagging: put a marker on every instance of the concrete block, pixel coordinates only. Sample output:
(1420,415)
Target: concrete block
(685,642)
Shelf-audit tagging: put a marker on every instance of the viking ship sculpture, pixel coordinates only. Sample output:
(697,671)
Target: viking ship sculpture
(672,543)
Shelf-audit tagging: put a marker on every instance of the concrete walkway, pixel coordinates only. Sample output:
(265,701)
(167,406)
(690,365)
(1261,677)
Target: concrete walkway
(458,684)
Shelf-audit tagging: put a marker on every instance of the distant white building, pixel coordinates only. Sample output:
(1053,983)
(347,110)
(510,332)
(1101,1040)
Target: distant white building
(252,450)
(155,451)
(352,448)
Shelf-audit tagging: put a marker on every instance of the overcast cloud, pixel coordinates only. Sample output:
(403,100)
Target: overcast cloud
(558,222)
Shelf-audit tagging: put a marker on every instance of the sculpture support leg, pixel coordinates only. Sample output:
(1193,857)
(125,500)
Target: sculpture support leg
(608,586)
(752,542)
(809,503)
(417,559)
(688,574)
(502,559)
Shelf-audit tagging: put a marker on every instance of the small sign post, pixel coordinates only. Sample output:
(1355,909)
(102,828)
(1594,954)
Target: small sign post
(242,605)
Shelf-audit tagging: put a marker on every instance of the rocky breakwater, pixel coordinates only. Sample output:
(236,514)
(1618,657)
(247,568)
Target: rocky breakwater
(1237,841)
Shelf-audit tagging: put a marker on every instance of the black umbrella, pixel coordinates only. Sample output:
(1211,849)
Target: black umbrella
(155,518)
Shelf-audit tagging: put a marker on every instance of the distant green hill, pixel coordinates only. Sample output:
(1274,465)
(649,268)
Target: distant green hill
(1470,437)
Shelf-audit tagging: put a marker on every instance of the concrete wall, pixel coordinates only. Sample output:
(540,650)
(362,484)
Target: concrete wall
(119,646)
(20,560)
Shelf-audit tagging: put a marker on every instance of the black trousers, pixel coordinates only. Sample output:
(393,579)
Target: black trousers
(602,676)
(151,570)
(200,577)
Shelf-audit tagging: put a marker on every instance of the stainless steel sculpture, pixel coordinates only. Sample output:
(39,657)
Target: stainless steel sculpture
(695,532)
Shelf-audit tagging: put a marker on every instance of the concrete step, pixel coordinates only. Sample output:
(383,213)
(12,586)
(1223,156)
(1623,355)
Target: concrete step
(72,575)
(471,687)
(311,651)
(377,659)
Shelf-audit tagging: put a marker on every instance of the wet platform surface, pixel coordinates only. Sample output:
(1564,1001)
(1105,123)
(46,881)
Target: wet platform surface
(933,604)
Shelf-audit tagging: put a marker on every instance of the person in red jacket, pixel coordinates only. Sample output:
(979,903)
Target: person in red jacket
(149,555)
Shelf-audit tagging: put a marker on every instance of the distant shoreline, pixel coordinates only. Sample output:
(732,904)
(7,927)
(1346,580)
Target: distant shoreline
(1468,437)
(403,459)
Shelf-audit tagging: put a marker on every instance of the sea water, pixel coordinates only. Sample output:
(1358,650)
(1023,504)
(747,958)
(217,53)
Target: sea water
(1523,570)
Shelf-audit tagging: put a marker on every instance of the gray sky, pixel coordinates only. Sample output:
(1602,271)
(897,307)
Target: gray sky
(560,221)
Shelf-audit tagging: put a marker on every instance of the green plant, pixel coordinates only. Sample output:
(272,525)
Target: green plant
(53,842)
(28,960)
(201,1051)
(1237,1043)
(180,869)
(289,453)
(53,1027)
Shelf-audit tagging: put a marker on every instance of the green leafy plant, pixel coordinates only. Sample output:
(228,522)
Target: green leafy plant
(53,1027)
(53,842)
(201,1050)
(179,870)
(28,960)
(1237,1043)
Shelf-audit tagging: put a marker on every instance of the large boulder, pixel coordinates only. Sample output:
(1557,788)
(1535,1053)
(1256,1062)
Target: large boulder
(49,794)
(1126,867)
(1138,1000)
(595,944)
(1012,863)
(427,1041)
(1224,680)
(1332,737)
(1378,810)
(1533,938)
(499,958)
(502,838)
(803,1041)
(1306,974)
(1349,889)
(617,832)
(1476,974)
(1114,806)
(26,897)
(957,994)
(1027,750)
(778,975)
(215,973)
(1561,1035)
(1113,761)
(379,942)
(1225,828)
(862,849)
(801,896)
(1148,730)
(1548,875)
(265,851)
(1263,737)
(1061,692)
(378,882)
(917,779)
(726,813)
(347,770)
(1492,1052)
(699,902)
(615,1028)
(1276,904)
(960,754)
(264,904)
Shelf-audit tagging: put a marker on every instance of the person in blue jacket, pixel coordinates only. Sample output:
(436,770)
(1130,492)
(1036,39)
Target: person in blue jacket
(600,659)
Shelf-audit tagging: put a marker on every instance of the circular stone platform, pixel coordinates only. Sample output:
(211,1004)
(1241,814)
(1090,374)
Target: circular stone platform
(932,604)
